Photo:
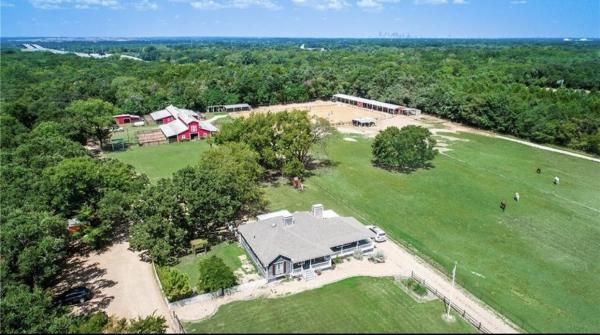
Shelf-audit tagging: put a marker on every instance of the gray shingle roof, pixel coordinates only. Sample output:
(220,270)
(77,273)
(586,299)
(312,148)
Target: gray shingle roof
(309,237)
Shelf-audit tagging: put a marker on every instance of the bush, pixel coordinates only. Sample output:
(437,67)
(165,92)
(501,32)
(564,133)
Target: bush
(358,255)
(337,260)
(175,284)
(215,275)
(89,324)
(416,287)
(148,325)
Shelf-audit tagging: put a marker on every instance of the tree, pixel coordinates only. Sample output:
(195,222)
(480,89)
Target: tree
(30,311)
(214,275)
(11,130)
(403,149)
(151,324)
(34,246)
(223,187)
(90,118)
(160,224)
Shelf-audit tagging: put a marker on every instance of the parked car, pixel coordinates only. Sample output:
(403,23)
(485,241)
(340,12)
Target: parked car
(379,233)
(73,296)
(116,129)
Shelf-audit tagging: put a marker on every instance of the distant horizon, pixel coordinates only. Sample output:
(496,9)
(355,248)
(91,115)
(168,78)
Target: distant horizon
(303,37)
(443,19)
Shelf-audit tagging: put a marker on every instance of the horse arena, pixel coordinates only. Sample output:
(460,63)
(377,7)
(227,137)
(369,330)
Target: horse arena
(340,115)
(336,113)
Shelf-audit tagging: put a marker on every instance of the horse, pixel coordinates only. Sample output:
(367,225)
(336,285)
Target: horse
(503,205)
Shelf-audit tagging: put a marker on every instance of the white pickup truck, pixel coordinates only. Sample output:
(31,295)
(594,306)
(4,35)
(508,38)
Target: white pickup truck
(379,233)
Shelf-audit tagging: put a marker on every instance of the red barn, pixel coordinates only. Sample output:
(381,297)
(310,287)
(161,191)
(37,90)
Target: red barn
(126,118)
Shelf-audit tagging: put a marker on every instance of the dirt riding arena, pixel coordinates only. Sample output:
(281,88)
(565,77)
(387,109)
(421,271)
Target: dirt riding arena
(337,113)
(341,115)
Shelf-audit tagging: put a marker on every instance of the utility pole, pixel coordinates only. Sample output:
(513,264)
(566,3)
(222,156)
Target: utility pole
(449,302)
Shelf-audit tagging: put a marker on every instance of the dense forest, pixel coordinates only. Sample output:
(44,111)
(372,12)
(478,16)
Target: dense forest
(51,105)
(544,91)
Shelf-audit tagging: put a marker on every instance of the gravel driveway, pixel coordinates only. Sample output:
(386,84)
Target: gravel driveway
(122,284)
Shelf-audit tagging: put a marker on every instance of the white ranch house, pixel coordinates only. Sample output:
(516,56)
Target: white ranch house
(283,244)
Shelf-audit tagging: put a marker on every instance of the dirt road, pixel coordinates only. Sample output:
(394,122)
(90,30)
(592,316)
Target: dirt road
(122,284)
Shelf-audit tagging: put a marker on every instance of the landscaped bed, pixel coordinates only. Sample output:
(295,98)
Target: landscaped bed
(354,305)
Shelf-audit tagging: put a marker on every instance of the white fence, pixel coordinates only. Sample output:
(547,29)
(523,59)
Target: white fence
(213,295)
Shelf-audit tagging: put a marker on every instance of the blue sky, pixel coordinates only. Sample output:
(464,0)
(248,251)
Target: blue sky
(301,18)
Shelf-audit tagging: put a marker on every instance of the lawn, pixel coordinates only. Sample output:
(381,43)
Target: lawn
(161,161)
(538,263)
(229,252)
(354,305)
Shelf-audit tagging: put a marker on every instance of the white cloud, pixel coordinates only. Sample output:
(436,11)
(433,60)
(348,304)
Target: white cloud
(323,4)
(431,2)
(79,4)
(223,4)
(145,5)
(369,4)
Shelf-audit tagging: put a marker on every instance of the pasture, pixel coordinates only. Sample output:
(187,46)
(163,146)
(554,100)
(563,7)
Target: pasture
(537,263)
(354,305)
(161,161)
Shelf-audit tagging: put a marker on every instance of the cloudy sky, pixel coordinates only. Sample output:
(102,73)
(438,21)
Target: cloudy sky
(301,18)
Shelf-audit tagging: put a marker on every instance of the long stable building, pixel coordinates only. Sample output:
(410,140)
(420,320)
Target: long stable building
(228,108)
(375,105)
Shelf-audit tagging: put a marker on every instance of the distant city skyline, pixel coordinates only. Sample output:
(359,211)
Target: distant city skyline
(302,18)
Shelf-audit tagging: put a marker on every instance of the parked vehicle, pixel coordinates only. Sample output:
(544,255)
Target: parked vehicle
(116,129)
(379,233)
(73,296)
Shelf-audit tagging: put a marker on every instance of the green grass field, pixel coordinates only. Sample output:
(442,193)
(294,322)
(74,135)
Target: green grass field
(229,252)
(353,305)
(537,263)
(161,161)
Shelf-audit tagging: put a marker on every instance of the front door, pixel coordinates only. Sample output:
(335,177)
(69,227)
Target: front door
(306,265)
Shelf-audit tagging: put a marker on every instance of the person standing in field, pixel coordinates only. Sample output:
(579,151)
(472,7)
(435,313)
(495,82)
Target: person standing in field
(502,205)
(556,180)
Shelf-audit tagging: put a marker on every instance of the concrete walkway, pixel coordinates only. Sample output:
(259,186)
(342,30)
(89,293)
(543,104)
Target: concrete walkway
(399,262)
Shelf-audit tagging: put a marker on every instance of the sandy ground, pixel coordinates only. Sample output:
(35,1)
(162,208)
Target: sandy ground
(399,262)
(341,115)
(122,284)
(335,112)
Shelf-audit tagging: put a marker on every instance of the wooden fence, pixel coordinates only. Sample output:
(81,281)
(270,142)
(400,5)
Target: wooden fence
(463,313)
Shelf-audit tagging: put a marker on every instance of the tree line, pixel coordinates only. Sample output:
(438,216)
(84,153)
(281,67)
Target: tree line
(543,91)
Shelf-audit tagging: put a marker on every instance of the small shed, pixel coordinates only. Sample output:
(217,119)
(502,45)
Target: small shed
(126,118)
(363,122)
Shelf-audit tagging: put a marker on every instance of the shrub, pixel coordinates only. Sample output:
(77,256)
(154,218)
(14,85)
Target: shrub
(358,255)
(215,275)
(148,325)
(89,324)
(175,284)
(416,287)
(337,260)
